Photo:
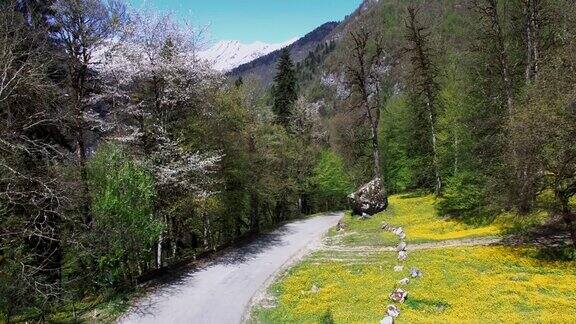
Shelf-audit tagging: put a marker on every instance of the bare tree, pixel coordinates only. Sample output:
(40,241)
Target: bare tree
(363,76)
(488,10)
(84,27)
(33,142)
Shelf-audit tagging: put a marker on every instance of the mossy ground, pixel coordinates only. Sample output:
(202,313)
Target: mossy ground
(484,284)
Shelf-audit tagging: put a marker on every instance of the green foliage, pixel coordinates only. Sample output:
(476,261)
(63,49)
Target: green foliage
(464,196)
(326,318)
(284,90)
(330,182)
(394,143)
(124,228)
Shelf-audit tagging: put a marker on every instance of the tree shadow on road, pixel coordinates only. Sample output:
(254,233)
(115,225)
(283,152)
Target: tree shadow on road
(172,280)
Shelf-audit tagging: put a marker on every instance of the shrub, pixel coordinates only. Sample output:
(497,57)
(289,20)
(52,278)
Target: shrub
(124,227)
(463,198)
(327,318)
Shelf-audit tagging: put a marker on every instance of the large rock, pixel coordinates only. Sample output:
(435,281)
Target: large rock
(370,199)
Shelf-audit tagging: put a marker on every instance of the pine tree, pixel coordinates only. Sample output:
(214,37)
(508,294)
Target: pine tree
(284,91)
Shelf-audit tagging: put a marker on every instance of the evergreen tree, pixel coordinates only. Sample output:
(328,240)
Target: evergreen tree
(284,91)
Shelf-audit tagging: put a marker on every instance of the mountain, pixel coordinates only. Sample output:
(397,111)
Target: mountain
(229,54)
(264,67)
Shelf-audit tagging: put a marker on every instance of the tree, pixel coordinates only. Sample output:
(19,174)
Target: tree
(490,16)
(124,229)
(424,81)
(362,74)
(34,195)
(330,182)
(284,90)
(84,27)
(159,85)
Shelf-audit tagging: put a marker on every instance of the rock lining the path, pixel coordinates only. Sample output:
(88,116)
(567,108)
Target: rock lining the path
(393,311)
(399,295)
(387,320)
(415,273)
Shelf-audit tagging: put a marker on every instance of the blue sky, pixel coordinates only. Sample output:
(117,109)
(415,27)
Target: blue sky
(270,21)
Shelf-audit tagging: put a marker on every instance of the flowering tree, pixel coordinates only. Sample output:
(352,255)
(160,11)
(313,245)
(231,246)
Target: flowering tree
(156,83)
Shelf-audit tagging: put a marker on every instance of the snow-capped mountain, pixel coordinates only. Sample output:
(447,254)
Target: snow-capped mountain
(226,55)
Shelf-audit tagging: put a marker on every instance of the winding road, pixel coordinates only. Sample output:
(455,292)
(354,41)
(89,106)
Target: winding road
(221,292)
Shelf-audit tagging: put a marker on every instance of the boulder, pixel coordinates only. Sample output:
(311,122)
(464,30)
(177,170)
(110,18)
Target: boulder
(387,320)
(402,255)
(404,281)
(370,199)
(401,247)
(398,268)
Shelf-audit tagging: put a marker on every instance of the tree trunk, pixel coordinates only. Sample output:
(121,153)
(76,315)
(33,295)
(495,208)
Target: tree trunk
(570,218)
(456,153)
(491,12)
(159,252)
(254,213)
(438,179)
(207,231)
(529,12)
(532,13)
(376,152)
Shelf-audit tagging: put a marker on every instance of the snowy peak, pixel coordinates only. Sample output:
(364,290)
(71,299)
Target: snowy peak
(226,55)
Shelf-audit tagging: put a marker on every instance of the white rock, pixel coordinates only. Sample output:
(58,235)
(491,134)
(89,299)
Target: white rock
(315,289)
(415,273)
(402,255)
(387,320)
(398,295)
(398,268)
(404,281)
(393,311)
(402,246)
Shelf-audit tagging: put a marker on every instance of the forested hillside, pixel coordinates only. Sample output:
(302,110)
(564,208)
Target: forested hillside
(123,153)
(476,101)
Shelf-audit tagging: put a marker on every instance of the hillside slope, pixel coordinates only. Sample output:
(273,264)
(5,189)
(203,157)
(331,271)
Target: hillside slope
(265,66)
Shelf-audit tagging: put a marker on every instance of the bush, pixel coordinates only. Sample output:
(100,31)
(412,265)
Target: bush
(124,227)
(327,318)
(464,198)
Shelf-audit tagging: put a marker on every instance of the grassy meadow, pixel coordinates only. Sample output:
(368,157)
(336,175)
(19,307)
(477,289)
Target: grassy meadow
(477,284)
